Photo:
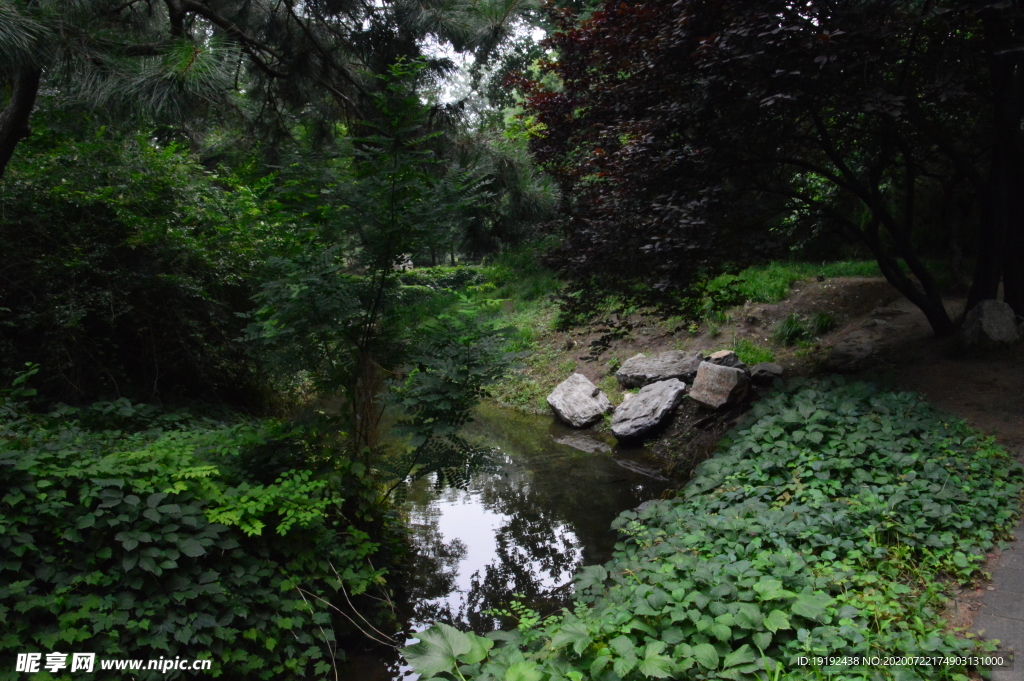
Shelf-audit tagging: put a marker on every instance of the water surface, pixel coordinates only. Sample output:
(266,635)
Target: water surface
(523,528)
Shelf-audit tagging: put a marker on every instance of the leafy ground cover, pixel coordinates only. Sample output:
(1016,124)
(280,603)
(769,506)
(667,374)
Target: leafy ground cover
(832,522)
(132,532)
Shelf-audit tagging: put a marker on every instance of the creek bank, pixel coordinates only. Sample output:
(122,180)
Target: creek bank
(758,558)
(523,525)
(578,402)
(683,437)
(646,410)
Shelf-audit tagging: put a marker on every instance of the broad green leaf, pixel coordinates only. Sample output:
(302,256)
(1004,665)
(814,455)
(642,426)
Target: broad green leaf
(478,651)
(624,665)
(654,664)
(706,655)
(191,547)
(621,645)
(749,616)
(776,620)
(672,635)
(771,589)
(811,606)
(438,650)
(742,655)
(654,648)
(720,631)
(659,667)
(523,671)
(762,639)
(575,633)
(591,575)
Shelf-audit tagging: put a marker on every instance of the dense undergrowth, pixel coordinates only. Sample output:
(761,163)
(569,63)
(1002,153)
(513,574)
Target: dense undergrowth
(133,532)
(125,267)
(833,522)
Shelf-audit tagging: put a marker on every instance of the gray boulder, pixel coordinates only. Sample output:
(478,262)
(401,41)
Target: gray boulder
(647,408)
(579,402)
(642,370)
(765,372)
(990,322)
(717,386)
(726,358)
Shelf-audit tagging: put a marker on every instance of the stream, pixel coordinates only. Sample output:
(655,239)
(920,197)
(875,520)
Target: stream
(519,531)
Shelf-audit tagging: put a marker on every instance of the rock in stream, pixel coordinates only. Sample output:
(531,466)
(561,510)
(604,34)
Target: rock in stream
(641,370)
(647,409)
(578,402)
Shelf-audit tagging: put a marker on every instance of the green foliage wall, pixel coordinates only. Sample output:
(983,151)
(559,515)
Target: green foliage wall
(124,267)
(131,533)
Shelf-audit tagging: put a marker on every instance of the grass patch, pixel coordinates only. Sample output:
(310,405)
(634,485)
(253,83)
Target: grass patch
(518,276)
(771,283)
(610,386)
(751,353)
(831,524)
(821,323)
(520,390)
(789,331)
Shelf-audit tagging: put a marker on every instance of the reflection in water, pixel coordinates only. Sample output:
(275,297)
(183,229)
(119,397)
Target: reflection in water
(524,527)
(513,545)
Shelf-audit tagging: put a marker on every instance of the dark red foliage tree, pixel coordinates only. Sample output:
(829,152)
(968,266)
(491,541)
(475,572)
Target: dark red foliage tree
(618,137)
(683,127)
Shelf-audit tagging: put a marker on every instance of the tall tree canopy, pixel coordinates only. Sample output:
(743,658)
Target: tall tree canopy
(265,63)
(680,127)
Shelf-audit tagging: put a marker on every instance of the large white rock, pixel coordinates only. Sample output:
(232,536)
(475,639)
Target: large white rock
(990,322)
(641,370)
(717,386)
(647,408)
(579,402)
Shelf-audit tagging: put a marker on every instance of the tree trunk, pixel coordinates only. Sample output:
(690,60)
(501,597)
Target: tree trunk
(14,119)
(1013,254)
(928,300)
(1001,236)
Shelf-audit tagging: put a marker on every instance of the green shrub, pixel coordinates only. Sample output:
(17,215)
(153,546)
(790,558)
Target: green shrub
(828,525)
(133,533)
(518,274)
(789,331)
(125,268)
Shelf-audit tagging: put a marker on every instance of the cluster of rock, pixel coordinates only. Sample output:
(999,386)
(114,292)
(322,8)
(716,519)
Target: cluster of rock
(718,380)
